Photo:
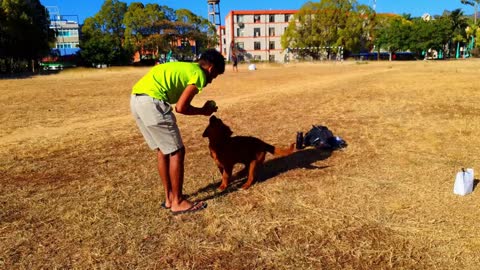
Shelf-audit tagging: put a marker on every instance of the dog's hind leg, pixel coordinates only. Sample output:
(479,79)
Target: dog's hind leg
(253,169)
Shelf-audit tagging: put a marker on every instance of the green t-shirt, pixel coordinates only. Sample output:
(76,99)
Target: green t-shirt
(168,81)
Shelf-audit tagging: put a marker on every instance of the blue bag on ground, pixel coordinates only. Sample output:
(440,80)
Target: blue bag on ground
(320,137)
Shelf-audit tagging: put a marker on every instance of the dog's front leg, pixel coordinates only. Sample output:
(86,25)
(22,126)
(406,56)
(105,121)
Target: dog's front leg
(251,174)
(227,173)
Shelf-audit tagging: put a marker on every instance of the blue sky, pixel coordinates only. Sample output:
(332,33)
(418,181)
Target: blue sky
(87,8)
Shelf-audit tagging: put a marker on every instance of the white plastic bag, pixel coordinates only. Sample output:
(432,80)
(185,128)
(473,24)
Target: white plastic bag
(464,182)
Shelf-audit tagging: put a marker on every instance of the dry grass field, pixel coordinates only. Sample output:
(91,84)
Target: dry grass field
(79,188)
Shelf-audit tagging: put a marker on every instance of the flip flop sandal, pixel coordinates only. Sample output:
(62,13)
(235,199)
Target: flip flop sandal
(164,205)
(196,206)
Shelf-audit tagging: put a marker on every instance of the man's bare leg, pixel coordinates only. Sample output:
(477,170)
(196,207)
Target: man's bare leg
(176,170)
(163,167)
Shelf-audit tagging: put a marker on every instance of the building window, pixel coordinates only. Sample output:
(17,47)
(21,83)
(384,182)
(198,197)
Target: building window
(257,57)
(271,18)
(271,45)
(240,32)
(239,18)
(271,31)
(256,45)
(271,58)
(67,33)
(256,32)
(240,45)
(287,17)
(67,45)
(256,18)
(224,41)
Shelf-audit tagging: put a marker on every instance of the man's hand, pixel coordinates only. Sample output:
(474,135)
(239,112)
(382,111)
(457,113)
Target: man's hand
(209,107)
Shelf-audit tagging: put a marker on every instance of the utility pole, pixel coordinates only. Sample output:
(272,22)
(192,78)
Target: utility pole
(473,3)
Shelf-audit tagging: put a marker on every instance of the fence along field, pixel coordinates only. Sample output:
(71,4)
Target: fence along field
(79,187)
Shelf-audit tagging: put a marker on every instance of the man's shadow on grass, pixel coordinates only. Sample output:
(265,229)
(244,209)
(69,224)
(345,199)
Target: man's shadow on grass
(268,170)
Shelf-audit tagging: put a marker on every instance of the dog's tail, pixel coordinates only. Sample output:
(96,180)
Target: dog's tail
(276,151)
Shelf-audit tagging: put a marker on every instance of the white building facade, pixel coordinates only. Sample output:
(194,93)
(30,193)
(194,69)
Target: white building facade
(67,34)
(255,34)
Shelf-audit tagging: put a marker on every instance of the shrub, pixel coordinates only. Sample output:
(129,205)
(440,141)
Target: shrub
(476,52)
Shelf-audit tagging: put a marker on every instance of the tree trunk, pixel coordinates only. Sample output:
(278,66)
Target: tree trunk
(8,65)
(31,65)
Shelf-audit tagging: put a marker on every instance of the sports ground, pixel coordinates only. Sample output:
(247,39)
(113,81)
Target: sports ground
(79,187)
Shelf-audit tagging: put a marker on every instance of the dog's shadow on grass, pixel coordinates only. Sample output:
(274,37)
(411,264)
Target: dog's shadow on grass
(271,168)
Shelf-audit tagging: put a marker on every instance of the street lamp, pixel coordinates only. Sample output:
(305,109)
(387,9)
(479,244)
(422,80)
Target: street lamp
(474,4)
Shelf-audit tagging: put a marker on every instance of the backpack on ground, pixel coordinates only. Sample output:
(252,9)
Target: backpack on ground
(320,137)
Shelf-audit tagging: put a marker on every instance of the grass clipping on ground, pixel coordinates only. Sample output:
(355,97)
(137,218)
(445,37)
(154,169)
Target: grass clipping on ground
(79,188)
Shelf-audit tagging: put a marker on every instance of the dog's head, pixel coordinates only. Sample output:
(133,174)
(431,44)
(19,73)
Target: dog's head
(217,130)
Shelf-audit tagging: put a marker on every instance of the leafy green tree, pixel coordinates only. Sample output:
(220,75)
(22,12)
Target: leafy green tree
(144,25)
(24,33)
(193,27)
(96,46)
(103,35)
(329,23)
(432,34)
(394,35)
(316,25)
(357,33)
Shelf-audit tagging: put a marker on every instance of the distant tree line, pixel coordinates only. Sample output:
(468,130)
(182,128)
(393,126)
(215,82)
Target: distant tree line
(445,34)
(110,37)
(117,31)
(357,28)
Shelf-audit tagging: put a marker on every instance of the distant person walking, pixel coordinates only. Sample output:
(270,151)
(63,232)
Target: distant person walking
(152,96)
(234,62)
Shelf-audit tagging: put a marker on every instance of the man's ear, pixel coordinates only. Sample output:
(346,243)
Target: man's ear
(210,68)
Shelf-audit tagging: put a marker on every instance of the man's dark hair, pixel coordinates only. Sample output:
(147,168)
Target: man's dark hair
(215,58)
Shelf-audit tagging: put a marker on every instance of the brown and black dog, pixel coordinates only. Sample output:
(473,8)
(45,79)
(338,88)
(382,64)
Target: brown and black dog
(228,151)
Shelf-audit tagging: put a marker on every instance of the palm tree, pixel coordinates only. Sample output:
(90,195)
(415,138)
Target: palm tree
(459,25)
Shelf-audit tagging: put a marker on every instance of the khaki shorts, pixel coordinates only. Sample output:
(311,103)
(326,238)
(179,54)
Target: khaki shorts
(158,124)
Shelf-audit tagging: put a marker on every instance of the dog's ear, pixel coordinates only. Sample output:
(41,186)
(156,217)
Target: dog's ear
(205,133)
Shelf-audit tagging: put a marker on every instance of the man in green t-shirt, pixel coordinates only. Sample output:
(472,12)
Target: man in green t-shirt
(173,83)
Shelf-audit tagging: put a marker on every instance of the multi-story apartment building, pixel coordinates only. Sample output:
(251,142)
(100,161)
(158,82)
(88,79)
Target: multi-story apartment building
(67,34)
(255,34)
